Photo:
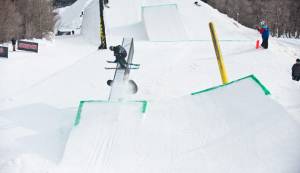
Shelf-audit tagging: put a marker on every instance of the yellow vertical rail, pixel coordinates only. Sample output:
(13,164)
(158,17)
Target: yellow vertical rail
(218,53)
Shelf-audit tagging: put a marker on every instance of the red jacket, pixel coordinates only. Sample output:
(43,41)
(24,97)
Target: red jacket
(264,32)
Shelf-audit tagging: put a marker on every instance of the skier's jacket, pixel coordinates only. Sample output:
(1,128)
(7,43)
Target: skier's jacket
(119,51)
(296,70)
(13,40)
(264,32)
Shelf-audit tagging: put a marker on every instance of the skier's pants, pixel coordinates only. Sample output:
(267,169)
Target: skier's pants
(264,44)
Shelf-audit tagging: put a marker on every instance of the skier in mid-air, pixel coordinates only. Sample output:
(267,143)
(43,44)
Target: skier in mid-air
(296,70)
(264,31)
(120,53)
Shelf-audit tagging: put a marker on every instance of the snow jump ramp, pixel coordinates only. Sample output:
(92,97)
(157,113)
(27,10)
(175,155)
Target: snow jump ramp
(98,128)
(156,22)
(163,23)
(230,128)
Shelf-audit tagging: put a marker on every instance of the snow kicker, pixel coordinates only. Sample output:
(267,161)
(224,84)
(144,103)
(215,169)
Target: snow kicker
(99,126)
(229,128)
(163,23)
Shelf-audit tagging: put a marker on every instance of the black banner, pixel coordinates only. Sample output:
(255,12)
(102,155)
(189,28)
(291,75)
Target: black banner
(59,33)
(28,46)
(4,52)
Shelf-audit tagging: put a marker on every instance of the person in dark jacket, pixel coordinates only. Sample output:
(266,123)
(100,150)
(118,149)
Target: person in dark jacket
(264,31)
(120,53)
(296,70)
(13,42)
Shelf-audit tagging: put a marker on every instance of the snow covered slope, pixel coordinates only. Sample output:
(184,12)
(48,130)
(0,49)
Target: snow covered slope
(39,93)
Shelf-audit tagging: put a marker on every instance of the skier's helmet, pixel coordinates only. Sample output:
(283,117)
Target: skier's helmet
(298,60)
(262,23)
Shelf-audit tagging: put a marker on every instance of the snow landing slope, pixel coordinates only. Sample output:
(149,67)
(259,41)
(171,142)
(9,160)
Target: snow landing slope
(233,128)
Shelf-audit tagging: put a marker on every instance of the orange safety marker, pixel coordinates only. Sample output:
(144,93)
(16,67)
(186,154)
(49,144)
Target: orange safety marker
(257,44)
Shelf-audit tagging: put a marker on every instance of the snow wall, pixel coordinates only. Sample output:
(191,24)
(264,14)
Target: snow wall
(232,128)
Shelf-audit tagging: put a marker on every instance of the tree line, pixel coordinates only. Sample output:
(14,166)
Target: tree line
(25,19)
(282,16)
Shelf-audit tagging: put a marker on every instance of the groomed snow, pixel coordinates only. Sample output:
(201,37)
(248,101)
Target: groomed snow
(40,92)
(236,128)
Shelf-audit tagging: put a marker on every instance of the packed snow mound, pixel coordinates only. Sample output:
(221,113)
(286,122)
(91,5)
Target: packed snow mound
(163,23)
(96,130)
(232,128)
